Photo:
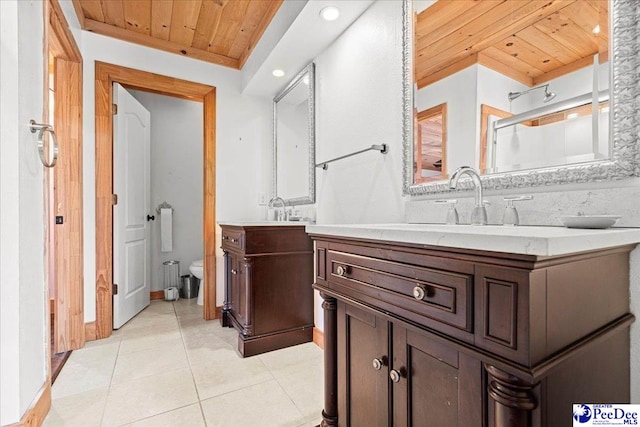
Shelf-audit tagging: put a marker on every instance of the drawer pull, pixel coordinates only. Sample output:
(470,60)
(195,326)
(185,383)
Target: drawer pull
(395,375)
(379,363)
(341,270)
(419,293)
(231,239)
(234,271)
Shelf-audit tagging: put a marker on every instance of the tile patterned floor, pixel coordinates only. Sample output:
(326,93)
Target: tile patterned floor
(168,367)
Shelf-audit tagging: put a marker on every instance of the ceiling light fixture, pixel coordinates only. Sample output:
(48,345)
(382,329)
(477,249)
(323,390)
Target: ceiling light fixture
(278,73)
(330,13)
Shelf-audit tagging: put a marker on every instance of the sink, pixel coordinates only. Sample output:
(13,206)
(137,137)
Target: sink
(528,240)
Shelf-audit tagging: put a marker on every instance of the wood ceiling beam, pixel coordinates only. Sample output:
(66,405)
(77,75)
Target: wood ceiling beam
(168,46)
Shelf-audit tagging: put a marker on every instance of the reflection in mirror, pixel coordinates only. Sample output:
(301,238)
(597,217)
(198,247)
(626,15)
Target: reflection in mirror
(294,140)
(526,84)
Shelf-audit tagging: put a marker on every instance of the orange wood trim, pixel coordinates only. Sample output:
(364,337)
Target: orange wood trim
(52,307)
(106,75)
(569,68)
(166,45)
(157,295)
(485,112)
(209,199)
(446,72)
(504,69)
(64,36)
(35,415)
(90,331)
(318,337)
(218,312)
(257,34)
(79,13)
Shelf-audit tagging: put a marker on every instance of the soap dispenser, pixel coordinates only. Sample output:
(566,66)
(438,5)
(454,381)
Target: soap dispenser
(510,213)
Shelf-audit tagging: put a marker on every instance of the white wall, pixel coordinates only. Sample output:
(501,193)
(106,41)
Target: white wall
(243,134)
(22,279)
(359,103)
(176,177)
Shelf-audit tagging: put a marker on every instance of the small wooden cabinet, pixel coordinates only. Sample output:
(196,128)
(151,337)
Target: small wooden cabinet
(430,336)
(268,278)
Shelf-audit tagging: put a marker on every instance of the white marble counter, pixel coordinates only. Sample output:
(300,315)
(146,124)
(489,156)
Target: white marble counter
(263,223)
(542,241)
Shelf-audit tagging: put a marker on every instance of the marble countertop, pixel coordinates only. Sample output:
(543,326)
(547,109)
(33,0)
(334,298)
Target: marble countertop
(541,241)
(263,223)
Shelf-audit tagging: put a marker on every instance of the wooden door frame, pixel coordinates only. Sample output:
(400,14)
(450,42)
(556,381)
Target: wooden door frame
(105,76)
(67,245)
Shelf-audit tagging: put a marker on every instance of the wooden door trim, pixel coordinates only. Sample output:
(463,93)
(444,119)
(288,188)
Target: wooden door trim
(68,267)
(105,76)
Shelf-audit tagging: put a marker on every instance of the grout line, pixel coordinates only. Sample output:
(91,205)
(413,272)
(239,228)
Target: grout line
(106,400)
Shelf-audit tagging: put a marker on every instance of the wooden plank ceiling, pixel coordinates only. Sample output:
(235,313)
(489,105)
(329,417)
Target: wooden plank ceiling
(223,32)
(530,41)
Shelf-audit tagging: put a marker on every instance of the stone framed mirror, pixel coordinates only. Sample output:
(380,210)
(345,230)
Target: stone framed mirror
(608,100)
(294,140)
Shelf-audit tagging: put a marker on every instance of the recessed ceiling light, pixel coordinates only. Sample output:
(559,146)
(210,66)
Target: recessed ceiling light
(278,73)
(330,13)
(596,29)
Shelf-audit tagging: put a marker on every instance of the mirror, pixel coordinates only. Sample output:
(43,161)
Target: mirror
(524,87)
(294,140)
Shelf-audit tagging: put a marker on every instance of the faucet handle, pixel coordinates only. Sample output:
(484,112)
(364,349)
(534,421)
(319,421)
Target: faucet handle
(510,212)
(452,213)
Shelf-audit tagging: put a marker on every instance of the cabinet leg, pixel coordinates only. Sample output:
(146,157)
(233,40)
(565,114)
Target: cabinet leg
(512,398)
(330,412)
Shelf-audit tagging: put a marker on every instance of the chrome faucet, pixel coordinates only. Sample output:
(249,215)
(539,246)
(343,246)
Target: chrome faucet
(281,214)
(479,214)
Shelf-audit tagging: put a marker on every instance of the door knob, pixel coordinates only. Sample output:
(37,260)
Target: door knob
(379,363)
(395,375)
(151,217)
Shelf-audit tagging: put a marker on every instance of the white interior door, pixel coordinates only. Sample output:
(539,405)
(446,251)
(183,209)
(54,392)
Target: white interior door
(131,182)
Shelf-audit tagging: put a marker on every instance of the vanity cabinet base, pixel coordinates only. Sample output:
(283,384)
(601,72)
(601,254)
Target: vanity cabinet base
(250,346)
(268,278)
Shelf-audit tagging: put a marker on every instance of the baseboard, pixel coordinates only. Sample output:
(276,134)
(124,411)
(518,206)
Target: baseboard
(90,331)
(219,312)
(157,295)
(318,337)
(37,412)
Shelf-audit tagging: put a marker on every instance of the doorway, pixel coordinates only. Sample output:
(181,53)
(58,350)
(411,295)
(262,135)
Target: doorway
(106,75)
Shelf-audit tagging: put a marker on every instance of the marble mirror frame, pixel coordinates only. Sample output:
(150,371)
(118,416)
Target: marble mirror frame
(625,124)
(310,198)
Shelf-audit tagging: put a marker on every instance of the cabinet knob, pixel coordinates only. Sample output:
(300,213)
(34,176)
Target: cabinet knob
(341,270)
(379,363)
(234,271)
(395,376)
(419,293)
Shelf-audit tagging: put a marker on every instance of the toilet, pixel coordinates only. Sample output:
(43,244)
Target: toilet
(196,268)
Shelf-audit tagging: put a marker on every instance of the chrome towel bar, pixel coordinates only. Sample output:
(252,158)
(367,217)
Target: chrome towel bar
(41,129)
(381,148)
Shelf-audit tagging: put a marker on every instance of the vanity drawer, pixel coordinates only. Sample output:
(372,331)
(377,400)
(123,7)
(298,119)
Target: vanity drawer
(232,239)
(428,296)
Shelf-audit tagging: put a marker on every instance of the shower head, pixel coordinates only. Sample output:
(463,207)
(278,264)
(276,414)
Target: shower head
(548,96)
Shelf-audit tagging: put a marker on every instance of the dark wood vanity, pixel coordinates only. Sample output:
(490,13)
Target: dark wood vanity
(420,335)
(268,295)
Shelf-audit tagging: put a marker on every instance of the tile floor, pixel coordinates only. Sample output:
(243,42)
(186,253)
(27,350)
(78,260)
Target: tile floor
(168,367)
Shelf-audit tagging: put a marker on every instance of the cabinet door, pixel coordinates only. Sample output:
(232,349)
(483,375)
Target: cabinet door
(363,388)
(437,385)
(237,289)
